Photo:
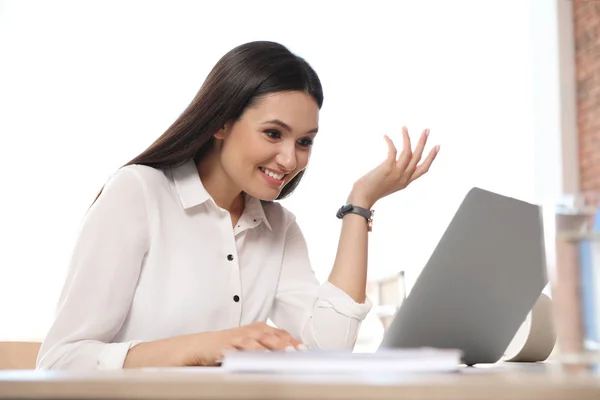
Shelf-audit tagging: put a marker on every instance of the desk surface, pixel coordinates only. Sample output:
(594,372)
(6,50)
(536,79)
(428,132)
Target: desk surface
(472,383)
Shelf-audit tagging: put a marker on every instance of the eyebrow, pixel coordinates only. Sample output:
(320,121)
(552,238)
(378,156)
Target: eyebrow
(286,126)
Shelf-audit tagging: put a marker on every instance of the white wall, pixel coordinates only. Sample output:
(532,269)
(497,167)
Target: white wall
(85,86)
(554,97)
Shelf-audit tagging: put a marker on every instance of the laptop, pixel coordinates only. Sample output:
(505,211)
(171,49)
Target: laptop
(481,281)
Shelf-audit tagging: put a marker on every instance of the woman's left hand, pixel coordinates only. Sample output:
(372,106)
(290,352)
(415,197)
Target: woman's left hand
(395,173)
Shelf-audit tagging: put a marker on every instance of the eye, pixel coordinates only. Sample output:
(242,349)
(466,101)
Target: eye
(273,134)
(305,142)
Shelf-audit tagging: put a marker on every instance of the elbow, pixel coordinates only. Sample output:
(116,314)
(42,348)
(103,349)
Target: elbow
(66,356)
(48,359)
(56,357)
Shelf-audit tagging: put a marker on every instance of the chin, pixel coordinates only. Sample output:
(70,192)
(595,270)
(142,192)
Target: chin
(268,198)
(264,195)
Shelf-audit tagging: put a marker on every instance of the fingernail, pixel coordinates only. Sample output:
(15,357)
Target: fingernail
(404,129)
(302,347)
(290,349)
(426,132)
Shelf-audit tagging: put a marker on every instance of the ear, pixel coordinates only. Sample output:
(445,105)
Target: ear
(220,134)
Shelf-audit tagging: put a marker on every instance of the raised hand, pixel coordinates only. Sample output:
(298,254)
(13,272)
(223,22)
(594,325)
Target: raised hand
(395,173)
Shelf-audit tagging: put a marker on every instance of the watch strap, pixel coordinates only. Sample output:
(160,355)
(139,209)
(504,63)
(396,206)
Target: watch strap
(352,209)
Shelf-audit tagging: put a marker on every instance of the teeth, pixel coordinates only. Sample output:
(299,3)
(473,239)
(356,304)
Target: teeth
(272,174)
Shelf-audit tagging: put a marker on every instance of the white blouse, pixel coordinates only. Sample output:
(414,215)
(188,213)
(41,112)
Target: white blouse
(156,258)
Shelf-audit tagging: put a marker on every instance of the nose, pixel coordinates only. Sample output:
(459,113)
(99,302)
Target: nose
(286,158)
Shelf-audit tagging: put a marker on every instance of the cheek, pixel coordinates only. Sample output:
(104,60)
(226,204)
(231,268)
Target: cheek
(302,157)
(240,148)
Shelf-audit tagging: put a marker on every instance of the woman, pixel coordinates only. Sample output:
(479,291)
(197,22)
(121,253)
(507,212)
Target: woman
(184,254)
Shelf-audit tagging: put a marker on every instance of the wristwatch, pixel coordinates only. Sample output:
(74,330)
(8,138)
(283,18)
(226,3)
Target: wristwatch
(352,209)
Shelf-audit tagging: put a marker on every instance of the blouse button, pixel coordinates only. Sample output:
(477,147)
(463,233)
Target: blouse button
(230,257)
(236,298)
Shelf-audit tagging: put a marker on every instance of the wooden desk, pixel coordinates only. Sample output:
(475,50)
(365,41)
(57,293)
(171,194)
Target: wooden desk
(473,383)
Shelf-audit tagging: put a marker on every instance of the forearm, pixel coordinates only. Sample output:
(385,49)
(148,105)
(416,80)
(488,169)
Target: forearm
(349,271)
(350,268)
(161,353)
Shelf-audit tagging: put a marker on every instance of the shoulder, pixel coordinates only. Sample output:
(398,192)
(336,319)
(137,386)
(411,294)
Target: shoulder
(143,173)
(134,185)
(149,179)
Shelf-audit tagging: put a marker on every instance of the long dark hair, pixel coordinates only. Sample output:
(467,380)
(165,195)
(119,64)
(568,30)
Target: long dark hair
(236,82)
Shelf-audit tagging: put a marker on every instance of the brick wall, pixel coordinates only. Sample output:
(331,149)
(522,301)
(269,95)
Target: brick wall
(586,14)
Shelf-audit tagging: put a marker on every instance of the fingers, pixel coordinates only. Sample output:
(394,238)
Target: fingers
(408,162)
(424,167)
(391,150)
(418,153)
(266,337)
(249,343)
(406,154)
(285,336)
(274,342)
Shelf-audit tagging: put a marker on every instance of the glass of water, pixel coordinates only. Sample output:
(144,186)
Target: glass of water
(572,242)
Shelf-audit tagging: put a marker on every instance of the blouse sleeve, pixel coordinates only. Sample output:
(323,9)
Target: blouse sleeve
(103,274)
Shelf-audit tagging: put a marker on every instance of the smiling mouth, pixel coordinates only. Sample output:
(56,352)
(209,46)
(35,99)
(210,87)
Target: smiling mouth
(271,174)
